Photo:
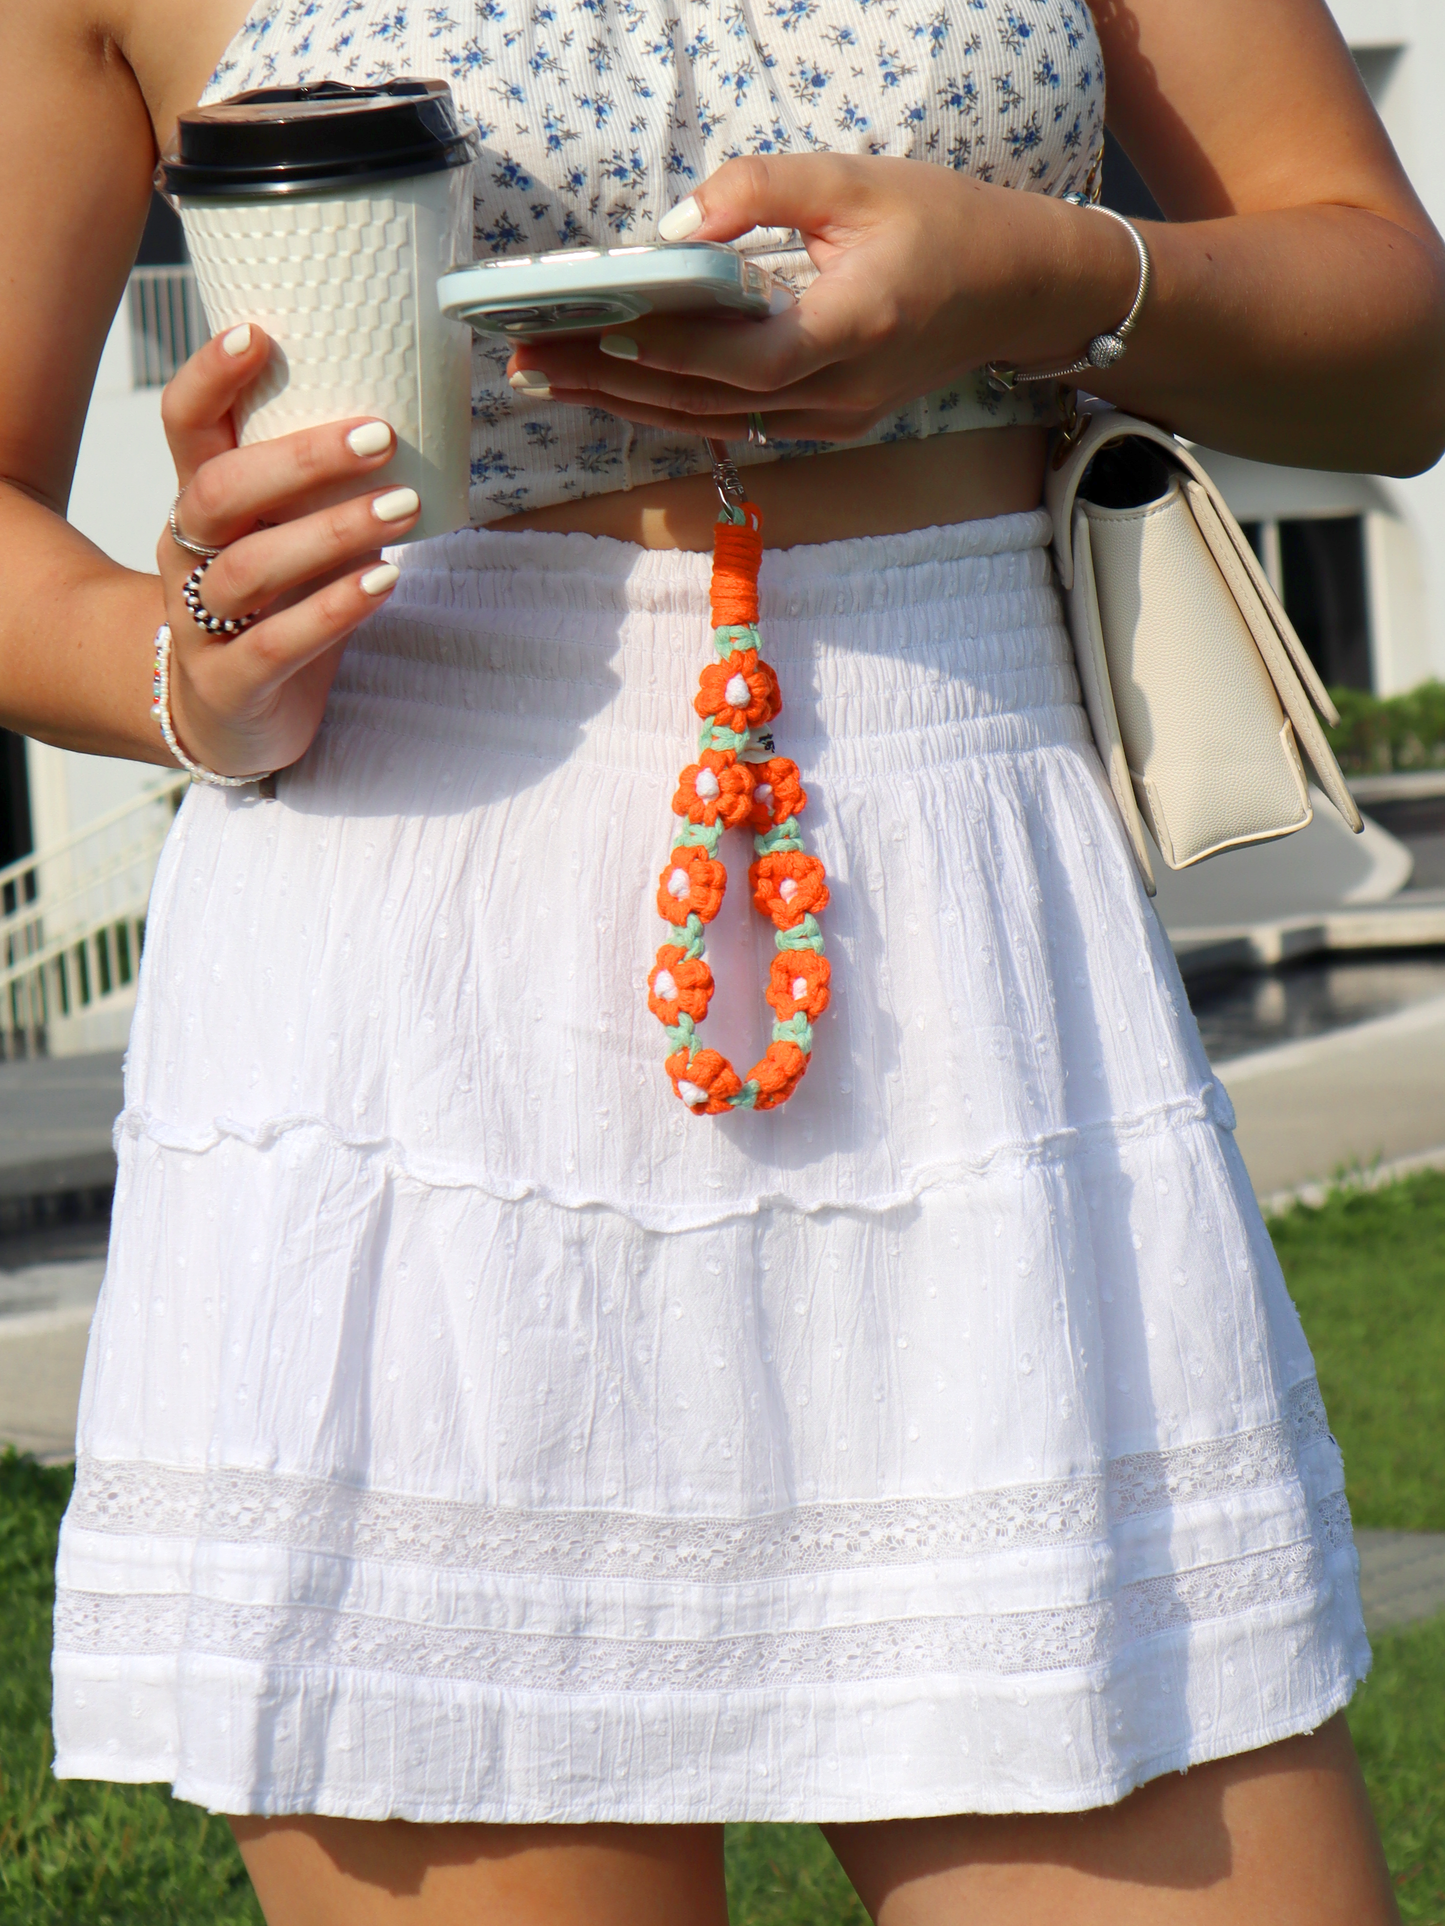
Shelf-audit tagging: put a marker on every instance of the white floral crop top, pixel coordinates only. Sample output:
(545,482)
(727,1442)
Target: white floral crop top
(597,115)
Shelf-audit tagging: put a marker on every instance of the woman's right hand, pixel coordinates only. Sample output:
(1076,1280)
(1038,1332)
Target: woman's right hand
(251,703)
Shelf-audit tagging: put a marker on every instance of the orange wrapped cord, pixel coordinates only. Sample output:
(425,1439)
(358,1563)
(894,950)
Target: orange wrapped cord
(737,557)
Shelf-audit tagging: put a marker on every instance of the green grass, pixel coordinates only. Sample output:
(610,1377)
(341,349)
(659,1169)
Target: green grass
(73,1853)
(1398,1721)
(1367,1270)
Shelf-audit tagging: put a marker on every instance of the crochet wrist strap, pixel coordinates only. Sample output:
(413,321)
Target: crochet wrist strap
(738,782)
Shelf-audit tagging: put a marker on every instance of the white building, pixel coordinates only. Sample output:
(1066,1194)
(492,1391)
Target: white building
(1360,559)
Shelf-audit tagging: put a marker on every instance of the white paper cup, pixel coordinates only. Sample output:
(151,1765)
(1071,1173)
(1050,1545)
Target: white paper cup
(342,276)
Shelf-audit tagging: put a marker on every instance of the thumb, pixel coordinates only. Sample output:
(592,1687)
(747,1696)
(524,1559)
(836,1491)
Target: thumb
(805,191)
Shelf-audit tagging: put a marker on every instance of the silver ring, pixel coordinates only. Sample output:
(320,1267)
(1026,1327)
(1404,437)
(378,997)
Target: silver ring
(201,615)
(757,438)
(191,548)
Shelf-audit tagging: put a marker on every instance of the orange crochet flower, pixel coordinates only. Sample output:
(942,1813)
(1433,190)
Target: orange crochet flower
(691,884)
(680,985)
(799,983)
(716,786)
(787,885)
(739,691)
(778,1075)
(778,793)
(706,1083)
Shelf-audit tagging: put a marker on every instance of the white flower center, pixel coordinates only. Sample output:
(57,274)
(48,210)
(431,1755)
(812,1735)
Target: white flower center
(691,1093)
(738,692)
(678,884)
(664,984)
(787,889)
(764,792)
(800,988)
(706,784)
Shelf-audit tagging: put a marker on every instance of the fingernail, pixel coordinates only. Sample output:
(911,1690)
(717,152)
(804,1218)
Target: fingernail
(396,505)
(680,221)
(780,300)
(622,346)
(531,381)
(238,340)
(377,581)
(369,439)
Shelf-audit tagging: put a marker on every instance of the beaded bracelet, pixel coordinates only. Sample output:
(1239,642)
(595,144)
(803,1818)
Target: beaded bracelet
(738,782)
(161,710)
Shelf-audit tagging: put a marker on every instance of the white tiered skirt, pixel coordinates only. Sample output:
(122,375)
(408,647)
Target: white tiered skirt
(469,1432)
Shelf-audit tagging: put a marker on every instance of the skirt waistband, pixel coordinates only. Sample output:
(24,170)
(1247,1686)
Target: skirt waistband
(891,650)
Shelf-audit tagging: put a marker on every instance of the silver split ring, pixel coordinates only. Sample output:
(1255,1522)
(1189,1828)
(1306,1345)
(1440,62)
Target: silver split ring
(227,625)
(757,437)
(191,548)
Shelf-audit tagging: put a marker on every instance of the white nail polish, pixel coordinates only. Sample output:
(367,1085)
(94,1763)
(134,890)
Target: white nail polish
(369,439)
(680,221)
(530,381)
(238,340)
(396,505)
(621,347)
(377,581)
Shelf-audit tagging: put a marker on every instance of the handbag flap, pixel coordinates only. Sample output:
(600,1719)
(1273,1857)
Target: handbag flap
(1292,697)
(1284,655)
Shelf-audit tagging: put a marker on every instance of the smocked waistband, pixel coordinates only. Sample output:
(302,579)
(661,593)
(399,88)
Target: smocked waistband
(940,641)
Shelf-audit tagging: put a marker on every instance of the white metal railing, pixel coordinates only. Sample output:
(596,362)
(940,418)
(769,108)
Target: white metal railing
(167,323)
(72,916)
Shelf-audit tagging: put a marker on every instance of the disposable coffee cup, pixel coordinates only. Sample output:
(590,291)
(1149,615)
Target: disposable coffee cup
(326,214)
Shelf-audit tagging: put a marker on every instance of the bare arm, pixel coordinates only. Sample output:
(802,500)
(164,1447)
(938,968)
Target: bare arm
(1298,312)
(1299,309)
(79,106)
(78,152)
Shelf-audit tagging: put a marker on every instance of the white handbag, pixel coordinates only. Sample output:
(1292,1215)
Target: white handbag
(1198,690)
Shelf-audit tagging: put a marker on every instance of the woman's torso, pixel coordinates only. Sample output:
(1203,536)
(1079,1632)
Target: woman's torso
(596,115)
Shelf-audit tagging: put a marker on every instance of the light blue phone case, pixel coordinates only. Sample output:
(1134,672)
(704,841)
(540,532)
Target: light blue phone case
(581,290)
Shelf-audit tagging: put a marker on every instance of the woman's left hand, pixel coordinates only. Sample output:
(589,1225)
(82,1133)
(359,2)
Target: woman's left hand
(924,274)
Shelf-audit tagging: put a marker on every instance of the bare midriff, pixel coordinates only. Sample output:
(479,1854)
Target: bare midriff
(883,489)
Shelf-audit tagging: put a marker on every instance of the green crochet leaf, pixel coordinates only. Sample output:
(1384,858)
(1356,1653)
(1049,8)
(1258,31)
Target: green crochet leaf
(699,836)
(803,936)
(738,635)
(682,1035)
(797,1030)
(784,835)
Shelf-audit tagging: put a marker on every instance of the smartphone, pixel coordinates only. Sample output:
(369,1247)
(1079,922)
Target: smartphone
(582,290)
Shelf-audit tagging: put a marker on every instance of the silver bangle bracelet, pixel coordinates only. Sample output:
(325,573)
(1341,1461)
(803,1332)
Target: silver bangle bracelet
(161,710)
(1105,349)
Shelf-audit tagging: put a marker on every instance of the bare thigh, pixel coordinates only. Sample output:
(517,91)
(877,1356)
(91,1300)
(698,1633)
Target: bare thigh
(1279,1837)
(312,1871)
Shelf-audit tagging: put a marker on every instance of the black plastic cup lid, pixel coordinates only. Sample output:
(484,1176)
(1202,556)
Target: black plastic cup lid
(291,140)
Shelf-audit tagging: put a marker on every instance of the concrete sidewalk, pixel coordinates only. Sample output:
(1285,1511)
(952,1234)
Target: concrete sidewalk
(56,1115)
(1308,1109)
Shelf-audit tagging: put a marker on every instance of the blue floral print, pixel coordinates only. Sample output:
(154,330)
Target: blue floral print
(596,115)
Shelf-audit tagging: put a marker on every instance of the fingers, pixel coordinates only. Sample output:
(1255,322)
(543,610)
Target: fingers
(196,405)
(237,487)
(264,657)
(789,424)
(254,572)
(811,192)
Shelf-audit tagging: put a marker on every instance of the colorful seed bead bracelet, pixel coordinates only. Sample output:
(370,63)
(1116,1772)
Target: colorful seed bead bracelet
(737,782)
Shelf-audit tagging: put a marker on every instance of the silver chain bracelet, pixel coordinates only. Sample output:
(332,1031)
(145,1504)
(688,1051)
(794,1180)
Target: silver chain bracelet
(161,710)
(1105,349)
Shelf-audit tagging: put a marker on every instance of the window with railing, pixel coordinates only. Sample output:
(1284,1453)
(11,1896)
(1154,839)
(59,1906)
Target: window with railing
(167,323)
